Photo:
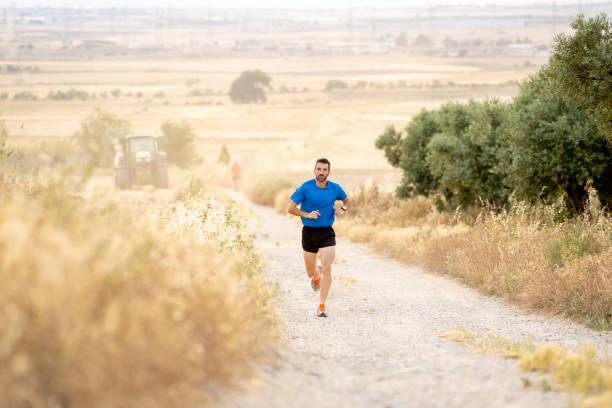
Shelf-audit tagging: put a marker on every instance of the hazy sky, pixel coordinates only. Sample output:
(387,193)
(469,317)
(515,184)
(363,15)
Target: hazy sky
(341,4)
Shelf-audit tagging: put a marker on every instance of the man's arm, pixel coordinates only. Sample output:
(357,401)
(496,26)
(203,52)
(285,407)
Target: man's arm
(296,211)
(342,210)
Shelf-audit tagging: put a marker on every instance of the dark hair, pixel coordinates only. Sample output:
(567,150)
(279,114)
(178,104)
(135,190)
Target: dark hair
(323,160)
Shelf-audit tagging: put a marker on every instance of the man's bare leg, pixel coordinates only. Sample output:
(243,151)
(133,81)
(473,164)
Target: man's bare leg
(327,257)
(310,260)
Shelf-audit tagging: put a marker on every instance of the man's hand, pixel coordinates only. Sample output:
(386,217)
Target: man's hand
(339,211)
(313,215)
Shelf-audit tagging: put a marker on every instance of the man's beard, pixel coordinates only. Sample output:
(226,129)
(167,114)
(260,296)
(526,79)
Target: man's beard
(321,177)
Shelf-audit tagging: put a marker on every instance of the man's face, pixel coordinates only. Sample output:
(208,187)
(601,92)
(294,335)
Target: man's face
(321,172)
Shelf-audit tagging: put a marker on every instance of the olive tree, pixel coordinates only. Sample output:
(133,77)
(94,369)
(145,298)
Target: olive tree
(249,87)
(555,148)
(581,69)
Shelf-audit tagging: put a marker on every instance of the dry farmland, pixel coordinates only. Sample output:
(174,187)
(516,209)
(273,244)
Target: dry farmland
(289,131)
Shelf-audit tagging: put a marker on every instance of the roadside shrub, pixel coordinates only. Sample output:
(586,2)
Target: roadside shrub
(580,67)
(224,156)
(523,254)
(543,266)
(97,133)
(408,151)
(180,142)
(263,188)
(554,148)
(464,156)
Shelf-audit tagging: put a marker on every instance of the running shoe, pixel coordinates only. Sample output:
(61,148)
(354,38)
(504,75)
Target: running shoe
(315,284)
(321,311)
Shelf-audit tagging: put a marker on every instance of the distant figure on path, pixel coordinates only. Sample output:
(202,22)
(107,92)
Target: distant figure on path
(316,198)
(236,171)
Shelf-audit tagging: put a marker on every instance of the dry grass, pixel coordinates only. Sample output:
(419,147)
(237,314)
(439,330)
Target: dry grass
(263,188)
(101,310)
(565,269)
(525,255)
(578,371)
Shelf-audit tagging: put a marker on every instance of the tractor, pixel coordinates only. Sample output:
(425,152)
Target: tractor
(140,159)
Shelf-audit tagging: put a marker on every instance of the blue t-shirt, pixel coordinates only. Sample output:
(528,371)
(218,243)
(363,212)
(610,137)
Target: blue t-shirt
(310,197)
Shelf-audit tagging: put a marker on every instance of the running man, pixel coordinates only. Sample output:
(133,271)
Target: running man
(316,198)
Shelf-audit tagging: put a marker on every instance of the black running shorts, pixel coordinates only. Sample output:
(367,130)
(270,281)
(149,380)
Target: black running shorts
(315,238)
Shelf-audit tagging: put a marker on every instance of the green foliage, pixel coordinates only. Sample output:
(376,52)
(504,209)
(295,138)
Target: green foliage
(554,148)
(581,66)
(408,153)
(97,133)
(179,143)
(334,84)
(249,87)
(224,156)
(549,144)
(463,157)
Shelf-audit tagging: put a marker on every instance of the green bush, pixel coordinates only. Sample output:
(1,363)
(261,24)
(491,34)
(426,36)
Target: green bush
(180,142)
(463,157)
(96,135)
(224,156)
(555,148)
(580,65)
(407,151)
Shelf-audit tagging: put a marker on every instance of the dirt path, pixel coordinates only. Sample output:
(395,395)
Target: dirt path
(380,346)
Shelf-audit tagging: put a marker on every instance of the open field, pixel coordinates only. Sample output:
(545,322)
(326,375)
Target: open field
(297,124)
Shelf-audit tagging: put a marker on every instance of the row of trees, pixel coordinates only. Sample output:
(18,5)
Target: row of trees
(552,140)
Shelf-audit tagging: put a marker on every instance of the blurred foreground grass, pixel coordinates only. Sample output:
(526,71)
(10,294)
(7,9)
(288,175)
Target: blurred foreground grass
(101,307)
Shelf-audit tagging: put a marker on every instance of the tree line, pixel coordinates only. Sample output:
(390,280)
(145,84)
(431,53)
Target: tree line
(553,140)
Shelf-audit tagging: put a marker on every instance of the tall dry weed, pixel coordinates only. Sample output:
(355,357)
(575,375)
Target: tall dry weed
(264,188)
(100,310)
(532,255)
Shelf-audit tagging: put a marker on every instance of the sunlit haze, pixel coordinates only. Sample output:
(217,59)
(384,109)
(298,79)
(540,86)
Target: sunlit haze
(336,4)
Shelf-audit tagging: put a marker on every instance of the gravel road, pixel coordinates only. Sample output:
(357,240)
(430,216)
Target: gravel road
(381,344)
